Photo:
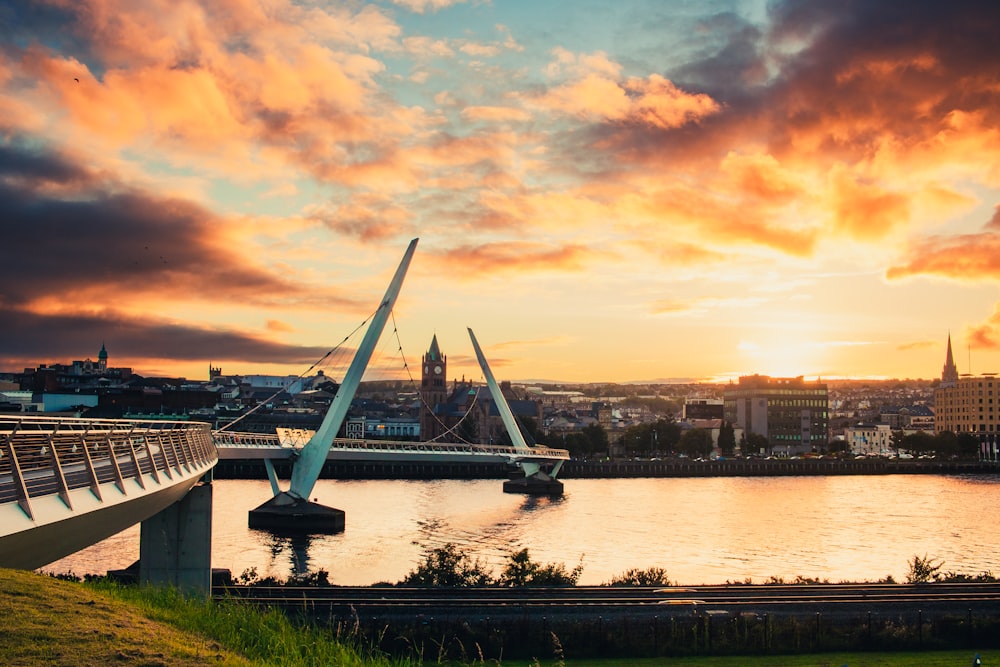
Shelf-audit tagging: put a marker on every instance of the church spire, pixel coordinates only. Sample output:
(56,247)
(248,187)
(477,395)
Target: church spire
(949,375)
(434,353)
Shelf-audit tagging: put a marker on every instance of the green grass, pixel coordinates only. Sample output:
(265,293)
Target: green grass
(46,621)
(53,622)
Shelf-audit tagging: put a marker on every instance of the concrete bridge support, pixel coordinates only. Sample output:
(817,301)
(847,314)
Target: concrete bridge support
(175,545)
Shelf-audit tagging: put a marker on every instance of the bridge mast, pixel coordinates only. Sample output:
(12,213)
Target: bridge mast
(293,506)
(535,481)
(306,470)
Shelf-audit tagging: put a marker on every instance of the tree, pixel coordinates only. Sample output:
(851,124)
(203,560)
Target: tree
(897,441)
(468,429)
(597,438)
(755,443)
(449,567)
(696,442)
(967,446)
(923,570)
(521,572)
(651,576)
(727,439)
(918,443)
(529,429)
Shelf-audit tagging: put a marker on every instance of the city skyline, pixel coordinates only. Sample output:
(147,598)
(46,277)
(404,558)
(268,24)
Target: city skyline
(631,192)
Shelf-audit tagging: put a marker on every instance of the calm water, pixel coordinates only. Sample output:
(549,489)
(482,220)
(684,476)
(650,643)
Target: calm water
(702,531)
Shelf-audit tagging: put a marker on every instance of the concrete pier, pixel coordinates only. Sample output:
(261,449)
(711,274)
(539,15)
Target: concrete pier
(175,545)
(538,484)
(286,514)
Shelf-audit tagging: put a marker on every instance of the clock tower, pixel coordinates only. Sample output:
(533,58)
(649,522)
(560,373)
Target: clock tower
(433,389)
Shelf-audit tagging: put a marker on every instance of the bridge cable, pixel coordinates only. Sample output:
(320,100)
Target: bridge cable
(423,401)
(298,377)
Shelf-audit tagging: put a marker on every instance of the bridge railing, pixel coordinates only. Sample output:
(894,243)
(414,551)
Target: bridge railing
(300,438)
(42,456)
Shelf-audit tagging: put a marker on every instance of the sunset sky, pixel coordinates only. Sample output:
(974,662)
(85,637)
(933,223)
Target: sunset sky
(630,191)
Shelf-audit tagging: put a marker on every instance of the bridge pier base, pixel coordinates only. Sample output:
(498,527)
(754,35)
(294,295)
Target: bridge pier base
(538,484)
(175,545)
(285,513)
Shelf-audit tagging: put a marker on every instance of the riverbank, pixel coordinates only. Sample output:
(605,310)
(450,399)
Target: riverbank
(48,621)
(53,622)
(254,469)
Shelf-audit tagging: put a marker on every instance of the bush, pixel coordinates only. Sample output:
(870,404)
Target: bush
(447,566)
(651,576)
(521,571)
(923,570)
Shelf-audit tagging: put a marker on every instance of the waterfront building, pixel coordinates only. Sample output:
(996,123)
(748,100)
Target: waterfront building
(869,439)
(969,404)
(791,413)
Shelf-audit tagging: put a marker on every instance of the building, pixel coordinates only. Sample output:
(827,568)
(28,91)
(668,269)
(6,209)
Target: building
(702,408)
(434,393)
(466,412)
(791,413)
(969,404)
(869,439)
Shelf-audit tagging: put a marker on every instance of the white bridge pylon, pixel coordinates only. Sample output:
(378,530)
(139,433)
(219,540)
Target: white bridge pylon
(322,445)
(526,457)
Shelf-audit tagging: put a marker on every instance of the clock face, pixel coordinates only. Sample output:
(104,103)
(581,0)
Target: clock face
(426,370)
(437,370)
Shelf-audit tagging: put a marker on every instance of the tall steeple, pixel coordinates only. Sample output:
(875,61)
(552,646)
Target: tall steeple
(949,375)
(433,389)
(102,358)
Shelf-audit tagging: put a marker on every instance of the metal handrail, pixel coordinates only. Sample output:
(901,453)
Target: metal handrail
(42,456)
(271,440)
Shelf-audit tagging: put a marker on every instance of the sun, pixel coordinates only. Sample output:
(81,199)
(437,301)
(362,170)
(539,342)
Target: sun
(782,356)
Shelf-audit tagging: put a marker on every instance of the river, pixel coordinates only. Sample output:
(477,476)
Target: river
(700,530)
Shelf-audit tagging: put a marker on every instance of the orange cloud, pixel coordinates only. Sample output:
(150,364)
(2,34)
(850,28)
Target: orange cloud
(865,210)
(368,216)
(725,222)
(516,256)
(918,345)
(297,91)
(969,257)
(761,177)
(655,101)
(987,334)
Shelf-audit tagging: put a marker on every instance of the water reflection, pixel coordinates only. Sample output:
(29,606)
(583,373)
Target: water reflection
(294,545)
(532,503)
(701,530)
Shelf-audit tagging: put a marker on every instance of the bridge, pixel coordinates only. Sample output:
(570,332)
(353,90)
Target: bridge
(290,510)
(68,483)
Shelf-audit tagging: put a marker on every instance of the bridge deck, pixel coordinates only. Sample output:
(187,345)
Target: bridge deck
(286,442)
(67,483)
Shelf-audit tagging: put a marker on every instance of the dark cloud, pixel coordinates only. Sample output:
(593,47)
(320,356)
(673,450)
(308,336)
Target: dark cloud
(33,169)
(843,76)
(87,240)
(728,58)
(29,338)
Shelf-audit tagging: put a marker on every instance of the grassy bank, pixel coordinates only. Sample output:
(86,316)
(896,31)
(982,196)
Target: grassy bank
(51,622)
(46,621)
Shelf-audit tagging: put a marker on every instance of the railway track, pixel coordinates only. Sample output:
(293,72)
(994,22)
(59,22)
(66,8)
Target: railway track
(828,599)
